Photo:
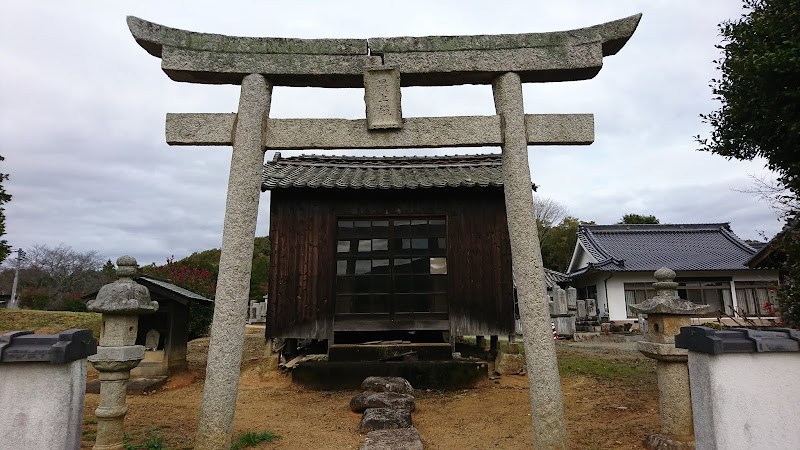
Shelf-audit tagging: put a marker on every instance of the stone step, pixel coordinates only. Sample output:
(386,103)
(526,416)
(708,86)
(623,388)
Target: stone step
(399,439)
(394,400)
(384,419)
(385,352)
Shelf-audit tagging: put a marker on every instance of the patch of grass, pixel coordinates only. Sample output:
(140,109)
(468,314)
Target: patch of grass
(251,439)
(155,441)
(604,367)
(89,436)
(48,322)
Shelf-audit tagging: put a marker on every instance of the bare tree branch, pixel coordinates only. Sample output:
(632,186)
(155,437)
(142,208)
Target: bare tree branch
(772,191)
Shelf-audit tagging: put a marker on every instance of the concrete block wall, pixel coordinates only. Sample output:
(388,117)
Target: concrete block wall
(744,387)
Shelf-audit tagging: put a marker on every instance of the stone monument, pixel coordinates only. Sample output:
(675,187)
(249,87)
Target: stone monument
(666,314)
(42,385)
(121,302)
(381,66)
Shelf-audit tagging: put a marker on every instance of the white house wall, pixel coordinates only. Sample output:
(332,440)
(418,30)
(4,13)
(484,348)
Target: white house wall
(580,258)
(615,286)
(597,281)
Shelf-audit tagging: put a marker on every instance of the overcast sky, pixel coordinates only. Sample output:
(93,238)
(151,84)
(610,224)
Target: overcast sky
(82,110)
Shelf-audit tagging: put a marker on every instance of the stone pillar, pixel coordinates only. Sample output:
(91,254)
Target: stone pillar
(120,302)
(666,314)
(233,284)
(42,386)
(572,299)
(547,405)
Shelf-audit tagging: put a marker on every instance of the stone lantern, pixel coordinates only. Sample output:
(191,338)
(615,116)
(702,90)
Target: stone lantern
(666,314)
(120,302)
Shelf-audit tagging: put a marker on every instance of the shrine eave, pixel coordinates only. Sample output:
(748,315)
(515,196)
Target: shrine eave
(422,61)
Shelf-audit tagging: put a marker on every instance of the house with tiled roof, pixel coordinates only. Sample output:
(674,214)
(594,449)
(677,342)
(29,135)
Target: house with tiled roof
(615,265)
(388,247)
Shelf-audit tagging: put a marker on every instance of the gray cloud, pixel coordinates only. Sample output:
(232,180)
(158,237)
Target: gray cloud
(82,114)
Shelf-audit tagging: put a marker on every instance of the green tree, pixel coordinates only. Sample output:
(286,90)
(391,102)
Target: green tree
(5,197)
(638,219)
(198,273)
(759,112)
(195,279)
(109,271)
(559,244)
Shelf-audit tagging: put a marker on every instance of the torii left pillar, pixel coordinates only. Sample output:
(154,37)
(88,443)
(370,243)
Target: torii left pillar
(547,405)
(238,238)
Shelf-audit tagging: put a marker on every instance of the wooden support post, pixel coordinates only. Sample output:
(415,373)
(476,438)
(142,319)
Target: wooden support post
(493,343)
(480,342)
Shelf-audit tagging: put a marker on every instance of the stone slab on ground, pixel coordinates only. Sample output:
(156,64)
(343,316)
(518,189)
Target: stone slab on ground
(384,419)
(135,385)
(399,439)
(394,400)
(509,363)
(387,384)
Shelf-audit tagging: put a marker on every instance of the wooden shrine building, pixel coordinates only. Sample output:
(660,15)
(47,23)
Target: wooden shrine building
(381,246)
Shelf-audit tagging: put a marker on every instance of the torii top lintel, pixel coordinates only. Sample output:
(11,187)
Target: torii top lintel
(422,61)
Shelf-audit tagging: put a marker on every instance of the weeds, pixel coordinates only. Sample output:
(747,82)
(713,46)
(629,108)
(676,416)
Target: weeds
(252,439)
(155,441)
(604,368)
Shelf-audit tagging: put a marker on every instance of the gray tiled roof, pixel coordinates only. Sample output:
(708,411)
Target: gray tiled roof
(552,278)
(632,248)
(382,172)
(189,295)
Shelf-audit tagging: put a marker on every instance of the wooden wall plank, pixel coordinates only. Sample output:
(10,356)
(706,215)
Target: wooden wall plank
(302,273)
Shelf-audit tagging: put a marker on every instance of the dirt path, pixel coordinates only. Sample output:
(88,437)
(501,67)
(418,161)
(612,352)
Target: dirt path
(611,403)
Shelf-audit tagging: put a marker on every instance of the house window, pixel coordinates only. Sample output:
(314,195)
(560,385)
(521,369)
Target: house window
(715,293)
(587,292)
(703,292)
(756,298)
(391,267)
(637,293)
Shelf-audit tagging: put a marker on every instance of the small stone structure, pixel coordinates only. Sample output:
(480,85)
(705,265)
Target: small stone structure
(509,362)
(381,66)
(258,311)
(120,302)
(562,312)
(42,384)
(171,323)
(744,387)
(666,314)
(387,404)
(164,333)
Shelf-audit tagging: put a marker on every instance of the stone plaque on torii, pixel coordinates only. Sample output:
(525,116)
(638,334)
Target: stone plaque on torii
(381,66)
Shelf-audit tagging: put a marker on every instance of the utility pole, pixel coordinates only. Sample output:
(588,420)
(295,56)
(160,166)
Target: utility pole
(12,303)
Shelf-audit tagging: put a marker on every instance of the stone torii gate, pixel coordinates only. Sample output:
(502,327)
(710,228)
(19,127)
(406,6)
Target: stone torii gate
(381,66)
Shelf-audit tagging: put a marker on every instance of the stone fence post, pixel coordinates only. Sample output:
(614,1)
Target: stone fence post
(562,313)
(744,387)
(666,314)
(121,302)
(42,385)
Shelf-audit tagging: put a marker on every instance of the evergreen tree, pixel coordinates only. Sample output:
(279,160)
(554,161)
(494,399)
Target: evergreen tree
(759,114)
(638,219)
(5,249)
